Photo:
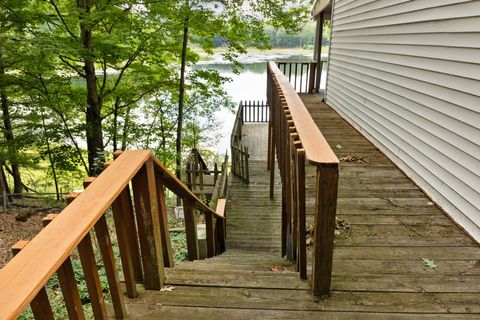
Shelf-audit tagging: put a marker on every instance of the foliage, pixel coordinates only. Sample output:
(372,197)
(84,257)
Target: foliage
(179,246)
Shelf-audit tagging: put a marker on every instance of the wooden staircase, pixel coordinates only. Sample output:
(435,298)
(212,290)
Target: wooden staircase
(249,280)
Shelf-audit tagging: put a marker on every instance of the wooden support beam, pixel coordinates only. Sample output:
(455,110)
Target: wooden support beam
(324,228)
(90,271)
(146,207)
(68,284)
(209,226)
(123,218)
(40,305)
(164,230)
(111,270)
(191,230)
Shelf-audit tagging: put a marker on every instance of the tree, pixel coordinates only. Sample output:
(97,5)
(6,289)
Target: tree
(236,24)
(102,43)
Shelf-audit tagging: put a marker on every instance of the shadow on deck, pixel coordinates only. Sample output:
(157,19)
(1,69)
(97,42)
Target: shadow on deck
(389,226)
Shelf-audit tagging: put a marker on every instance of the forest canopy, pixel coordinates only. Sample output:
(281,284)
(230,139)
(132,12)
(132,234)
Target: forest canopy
(81,79)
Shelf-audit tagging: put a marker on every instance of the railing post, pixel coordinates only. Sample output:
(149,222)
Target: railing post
(40,305)
(191,230)
(311,79)
(324,228)
(146,205)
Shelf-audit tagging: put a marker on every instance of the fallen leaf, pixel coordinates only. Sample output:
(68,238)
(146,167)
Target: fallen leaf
(274,269)
(430,203)
(430,264)
(167,289)
(354,158)
(339,146)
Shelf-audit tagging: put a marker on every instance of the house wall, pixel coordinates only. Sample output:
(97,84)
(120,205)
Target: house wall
(407,75)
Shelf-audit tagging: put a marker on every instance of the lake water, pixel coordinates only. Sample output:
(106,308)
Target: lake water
(250,84)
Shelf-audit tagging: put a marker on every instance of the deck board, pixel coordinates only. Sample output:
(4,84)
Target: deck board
(377,270)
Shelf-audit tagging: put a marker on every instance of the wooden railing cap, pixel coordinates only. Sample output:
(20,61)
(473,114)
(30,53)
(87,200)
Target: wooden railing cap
(317,149)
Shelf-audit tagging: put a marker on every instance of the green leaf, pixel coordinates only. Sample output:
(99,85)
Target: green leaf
(430,263)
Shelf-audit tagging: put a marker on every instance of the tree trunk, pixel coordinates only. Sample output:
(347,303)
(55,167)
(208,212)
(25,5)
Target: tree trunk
(126,124)
(50,158)
(9,137)
(115,125)
(181,98)
(3,187)
(94,130)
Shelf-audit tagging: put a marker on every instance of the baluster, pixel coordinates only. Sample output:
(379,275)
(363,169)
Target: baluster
(301,209)
(105,245)
(290,72)
(90,271)
(215,171)
(190,229)
(68,284)
(301,77)
(146,208)
(311,84)
(247,175)
(40,305)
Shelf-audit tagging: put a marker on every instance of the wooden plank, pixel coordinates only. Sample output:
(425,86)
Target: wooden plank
(191,230)
(40,305)
(270,299)
(163,216)
(170,312)
(20,279)
(148,220)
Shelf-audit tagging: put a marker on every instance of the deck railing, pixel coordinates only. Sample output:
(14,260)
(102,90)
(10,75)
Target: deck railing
(239,151)
(303,75)
(296,139)
(254,111)
(196,169)
(142,235)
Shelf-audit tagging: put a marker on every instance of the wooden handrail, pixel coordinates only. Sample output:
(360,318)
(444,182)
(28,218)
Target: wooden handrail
(181,190)
(316,147)
(20,279)
(28,272)
(295,138)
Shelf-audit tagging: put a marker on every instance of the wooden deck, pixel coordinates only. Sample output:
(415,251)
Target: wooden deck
(388,226)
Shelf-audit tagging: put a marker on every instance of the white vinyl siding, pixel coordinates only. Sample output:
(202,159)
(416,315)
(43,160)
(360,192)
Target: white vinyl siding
(406,73)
